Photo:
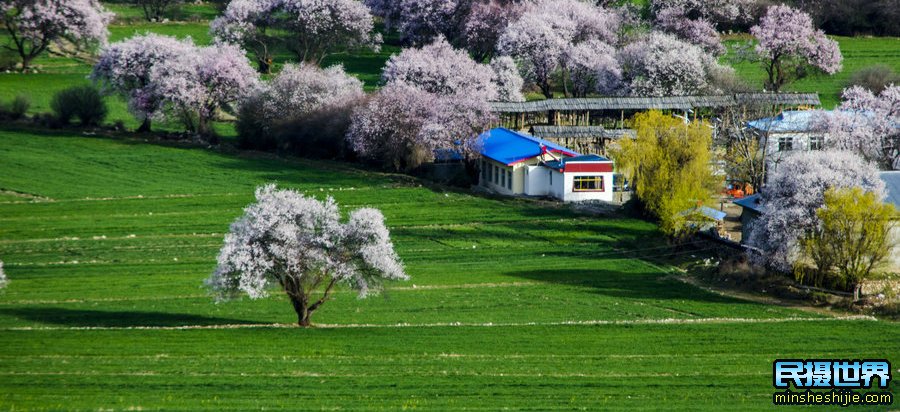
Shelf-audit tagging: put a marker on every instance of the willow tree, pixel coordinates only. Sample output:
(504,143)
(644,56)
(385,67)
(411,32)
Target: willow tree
(853,238)
(669,165)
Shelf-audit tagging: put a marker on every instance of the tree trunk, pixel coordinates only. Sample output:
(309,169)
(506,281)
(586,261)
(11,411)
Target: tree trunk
(26,61)
(145,126)
(265,65)
(303,312)
(856,292)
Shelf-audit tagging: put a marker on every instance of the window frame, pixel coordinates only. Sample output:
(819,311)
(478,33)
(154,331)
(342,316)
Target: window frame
(785,143)
(597,179)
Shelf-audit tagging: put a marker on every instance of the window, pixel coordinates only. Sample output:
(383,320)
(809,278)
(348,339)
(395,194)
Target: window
(551,178)
(785,143)
(502,178)
(816,142)
(509,180)
(588,184)
(483,171)
(496,175)
(487,167)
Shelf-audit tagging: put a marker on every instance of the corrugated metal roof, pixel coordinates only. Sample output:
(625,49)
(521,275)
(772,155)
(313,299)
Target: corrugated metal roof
(661,103)
(892,183)
(751,202)
(508,147)
(557,132)
(787,121)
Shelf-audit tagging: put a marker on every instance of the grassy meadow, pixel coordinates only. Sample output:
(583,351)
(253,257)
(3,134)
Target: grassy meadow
(511,303)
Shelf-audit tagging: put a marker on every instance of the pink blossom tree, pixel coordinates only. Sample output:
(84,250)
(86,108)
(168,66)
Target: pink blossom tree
(402,126)
(662,65)
(441,69)
(421,21)
(507,79)
(305,88)
(300,245)
(34,26)
(593,68)
(700,31)
(789,46)
(194,87)
(486,22)
(311,29)
(250,24)
(713,11)
(125,68)
(866,124)
(538,41)
(795,190)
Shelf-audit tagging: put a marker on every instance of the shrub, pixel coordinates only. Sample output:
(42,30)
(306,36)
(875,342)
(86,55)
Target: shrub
(875,78)
(19,106)
(83,102)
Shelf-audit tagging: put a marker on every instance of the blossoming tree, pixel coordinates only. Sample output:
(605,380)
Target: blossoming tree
(194,87)
(35,25)
(300,245)
(125,68)
(3,280)
(867,124)
(439,68)
(795,191)
(789,46)
(662,65)
(311,29)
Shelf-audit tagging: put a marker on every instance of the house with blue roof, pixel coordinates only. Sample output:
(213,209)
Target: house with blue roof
(790,131)
(514,163)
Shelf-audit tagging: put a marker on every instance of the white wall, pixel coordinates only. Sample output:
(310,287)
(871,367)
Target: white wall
(537,180)
(557,185)
(571,196)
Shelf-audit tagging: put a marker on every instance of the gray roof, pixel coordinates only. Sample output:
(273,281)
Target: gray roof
(661,103)
(892,183)
(557,132)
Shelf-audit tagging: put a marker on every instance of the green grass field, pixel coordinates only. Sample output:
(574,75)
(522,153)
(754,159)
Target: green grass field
(511,303)
(858,52)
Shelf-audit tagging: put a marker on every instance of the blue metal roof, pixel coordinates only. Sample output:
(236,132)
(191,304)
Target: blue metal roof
(892,184)
(508,147)
(786,122)
(750,202)
(561,164)
(707,211)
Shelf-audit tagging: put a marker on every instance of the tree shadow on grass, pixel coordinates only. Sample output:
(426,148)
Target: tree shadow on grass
(96,318)
(634,285)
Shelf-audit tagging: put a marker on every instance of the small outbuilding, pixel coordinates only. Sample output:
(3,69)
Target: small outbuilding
(514,163)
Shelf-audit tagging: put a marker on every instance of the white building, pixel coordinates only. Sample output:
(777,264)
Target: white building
(514,163)
(791,131)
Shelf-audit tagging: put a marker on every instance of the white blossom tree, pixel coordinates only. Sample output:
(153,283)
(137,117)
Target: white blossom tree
(402,126)
(593,68)
(790,47)
(486,22)
(311,29)
(300,245)
(124,68)
(540,38)
(507,79)
(3,280)
(35,25)
(662,65)
(795,191)
(441,69)
(194,87)
(867,124)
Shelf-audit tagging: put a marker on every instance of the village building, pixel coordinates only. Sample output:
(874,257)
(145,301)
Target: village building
(514,163)
(789,132)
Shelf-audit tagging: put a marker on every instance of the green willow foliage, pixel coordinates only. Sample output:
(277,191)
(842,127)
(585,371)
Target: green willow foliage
(852,240)
(669,166)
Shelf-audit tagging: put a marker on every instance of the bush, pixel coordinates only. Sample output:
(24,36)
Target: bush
(83,102)
(19,107)
(320,134)
(874,78)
